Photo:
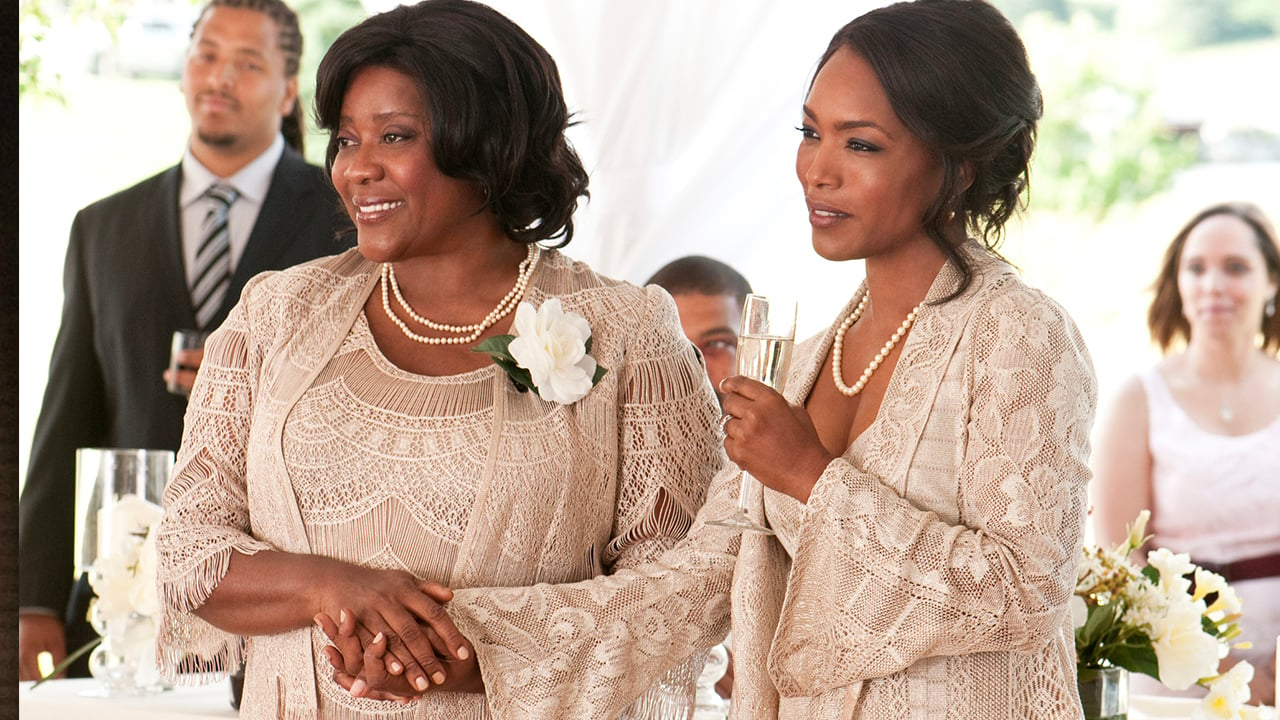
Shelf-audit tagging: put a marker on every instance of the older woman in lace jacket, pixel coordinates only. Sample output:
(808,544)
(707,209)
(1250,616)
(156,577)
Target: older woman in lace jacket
(346,454)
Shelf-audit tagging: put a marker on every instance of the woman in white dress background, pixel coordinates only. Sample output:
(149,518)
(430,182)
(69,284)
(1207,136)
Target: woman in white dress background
(1196,438)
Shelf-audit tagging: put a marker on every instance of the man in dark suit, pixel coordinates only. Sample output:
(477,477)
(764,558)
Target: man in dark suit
(168,253)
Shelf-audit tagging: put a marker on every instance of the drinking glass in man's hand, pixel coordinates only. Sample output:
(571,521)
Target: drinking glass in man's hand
(185,355)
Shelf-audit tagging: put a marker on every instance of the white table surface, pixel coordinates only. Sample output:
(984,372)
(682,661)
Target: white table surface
(62,700)
(1152,707)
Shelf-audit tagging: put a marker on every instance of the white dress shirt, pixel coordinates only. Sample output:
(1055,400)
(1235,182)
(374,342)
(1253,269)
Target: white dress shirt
(252,182)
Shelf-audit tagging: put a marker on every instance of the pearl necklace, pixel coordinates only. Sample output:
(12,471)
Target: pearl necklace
(837,350)
(468,333)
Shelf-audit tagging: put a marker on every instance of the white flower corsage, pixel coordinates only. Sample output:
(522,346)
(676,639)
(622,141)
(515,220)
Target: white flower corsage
(548,354)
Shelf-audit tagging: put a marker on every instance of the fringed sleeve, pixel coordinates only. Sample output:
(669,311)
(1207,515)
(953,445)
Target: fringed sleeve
(631,643)
(206,511)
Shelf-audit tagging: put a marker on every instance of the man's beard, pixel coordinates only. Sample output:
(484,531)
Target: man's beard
(221,141)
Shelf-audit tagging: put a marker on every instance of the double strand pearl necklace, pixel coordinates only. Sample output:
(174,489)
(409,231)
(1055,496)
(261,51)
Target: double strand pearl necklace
(837,350)
(466,333)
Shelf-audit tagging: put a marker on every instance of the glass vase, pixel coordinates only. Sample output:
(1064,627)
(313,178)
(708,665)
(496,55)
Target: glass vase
(124,663)
(118,494)
(1104,693)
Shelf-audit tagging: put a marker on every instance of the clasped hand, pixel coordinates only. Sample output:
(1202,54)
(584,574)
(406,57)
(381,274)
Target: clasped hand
(363,665)
(771,439)
(392,632)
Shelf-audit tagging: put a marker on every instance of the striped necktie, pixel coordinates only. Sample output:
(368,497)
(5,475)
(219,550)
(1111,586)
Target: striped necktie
(213,256)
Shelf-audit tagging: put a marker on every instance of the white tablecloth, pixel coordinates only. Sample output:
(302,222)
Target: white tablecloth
(62,700)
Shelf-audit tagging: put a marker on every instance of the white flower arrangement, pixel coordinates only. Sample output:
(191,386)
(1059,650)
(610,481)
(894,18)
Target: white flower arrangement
(124,573)
(549,354)
(1153,621)
(123,577)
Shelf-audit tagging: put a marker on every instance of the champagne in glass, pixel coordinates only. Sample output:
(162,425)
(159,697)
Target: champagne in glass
(766,358)
(764,353)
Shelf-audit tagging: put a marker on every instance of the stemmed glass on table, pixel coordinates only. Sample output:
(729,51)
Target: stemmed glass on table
(764,353)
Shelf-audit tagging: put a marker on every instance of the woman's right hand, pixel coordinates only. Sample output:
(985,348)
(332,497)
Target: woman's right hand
(771,439)
(271,592)
(407,612)
(361,665)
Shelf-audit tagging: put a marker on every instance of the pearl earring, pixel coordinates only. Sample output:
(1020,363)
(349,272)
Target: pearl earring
(1271,308)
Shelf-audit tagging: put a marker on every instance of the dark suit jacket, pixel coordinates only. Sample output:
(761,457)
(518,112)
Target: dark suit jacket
(125,292)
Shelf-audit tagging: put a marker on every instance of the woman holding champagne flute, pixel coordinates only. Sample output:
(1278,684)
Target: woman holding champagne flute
(925,466)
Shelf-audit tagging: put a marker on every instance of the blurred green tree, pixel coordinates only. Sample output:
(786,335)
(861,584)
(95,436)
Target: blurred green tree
(322,21)
(1102,141)
(36,19)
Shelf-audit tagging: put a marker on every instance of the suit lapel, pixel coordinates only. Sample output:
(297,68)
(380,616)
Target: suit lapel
(268,238)
(166,236)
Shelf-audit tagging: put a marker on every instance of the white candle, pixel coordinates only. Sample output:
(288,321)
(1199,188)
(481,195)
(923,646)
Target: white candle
(1276,699)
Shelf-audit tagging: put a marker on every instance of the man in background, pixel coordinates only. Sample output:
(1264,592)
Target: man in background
(709,296)
(172,252)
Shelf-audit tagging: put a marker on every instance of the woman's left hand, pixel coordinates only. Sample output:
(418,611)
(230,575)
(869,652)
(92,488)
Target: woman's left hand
(770,439)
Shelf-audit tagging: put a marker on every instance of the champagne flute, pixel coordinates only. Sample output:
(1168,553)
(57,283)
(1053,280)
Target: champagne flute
(764,353)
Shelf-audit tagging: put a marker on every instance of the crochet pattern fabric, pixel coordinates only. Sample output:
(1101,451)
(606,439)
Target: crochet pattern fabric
(302,437)
(927,577)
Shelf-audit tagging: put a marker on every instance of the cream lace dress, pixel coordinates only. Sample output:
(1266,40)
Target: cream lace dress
(927,577)
(302,436)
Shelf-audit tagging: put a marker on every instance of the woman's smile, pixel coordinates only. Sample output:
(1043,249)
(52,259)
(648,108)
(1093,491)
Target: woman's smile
(372,211)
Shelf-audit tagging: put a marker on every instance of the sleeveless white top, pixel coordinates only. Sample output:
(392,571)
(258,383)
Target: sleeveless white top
(1216,497)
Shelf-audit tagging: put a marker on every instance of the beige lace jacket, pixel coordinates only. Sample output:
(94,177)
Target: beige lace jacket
(929,574)
(558,493)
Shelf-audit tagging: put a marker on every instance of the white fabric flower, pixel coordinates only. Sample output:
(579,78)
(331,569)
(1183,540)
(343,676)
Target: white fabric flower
(1184,652)
(552,345)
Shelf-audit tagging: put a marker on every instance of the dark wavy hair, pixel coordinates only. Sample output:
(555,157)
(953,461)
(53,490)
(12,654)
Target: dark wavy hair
(494,100)
(1165,318)
(289,42)
(957,76)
